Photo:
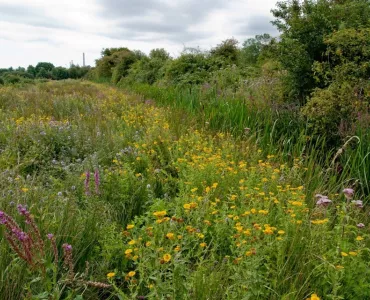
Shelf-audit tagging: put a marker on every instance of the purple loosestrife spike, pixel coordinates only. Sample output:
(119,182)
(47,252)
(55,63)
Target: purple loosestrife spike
(2,217)
(360,225)
(23,210)
(348,193)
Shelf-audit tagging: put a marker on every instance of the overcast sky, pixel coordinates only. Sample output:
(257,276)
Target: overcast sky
(59,31)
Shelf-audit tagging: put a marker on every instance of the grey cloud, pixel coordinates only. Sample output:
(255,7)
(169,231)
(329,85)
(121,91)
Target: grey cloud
(136,18)
(28,15)
(257,25)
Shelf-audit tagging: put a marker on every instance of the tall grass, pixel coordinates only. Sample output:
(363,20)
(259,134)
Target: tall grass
(275,128)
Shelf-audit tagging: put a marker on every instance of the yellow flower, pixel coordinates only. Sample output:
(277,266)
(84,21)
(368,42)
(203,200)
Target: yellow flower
(148,244)
(200,235)
(131,274)
(25,190)
(344,254)
(178,248)
(128,251)
(314,297)
(130,226)
(167,257)
(281,232)
(352,253)
(132,242)
(359,238)
(339,267)
(203,245)
(160,214)
(111,275)
(170,236)
(319,222)
(187,206)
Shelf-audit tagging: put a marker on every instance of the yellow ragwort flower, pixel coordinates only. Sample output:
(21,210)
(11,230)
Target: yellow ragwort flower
(167,257)
(111,275)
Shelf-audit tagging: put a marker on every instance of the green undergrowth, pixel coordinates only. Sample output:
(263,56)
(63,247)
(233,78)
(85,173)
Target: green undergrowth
(119,197)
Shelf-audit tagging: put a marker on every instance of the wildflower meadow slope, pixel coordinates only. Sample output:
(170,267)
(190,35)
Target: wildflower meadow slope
(108,196)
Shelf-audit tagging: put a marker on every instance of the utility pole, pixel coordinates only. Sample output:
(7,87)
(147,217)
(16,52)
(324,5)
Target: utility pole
(83,56)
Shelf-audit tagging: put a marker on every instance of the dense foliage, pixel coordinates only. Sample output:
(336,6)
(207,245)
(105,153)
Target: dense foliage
(42,71)
(109,196)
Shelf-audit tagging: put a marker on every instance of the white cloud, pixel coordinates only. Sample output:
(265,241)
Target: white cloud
(60,31)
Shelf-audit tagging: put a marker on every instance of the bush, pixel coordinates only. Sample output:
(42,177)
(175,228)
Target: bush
(331,112)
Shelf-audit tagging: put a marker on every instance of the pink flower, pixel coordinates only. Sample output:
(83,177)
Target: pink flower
(348,193)
(360,225)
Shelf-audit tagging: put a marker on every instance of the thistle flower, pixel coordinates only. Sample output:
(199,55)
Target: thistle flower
(358,203)
(348,193)
(323,202)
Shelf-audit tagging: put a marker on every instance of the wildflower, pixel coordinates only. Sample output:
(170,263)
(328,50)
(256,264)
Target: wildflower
(130,226)
(339,267)
(170,236)
(148,244)
(314,297)
(160,214)
(358,203)
(203,245)
(320,222)
(131,274)
(111,275)
(132,242)
(50,236)
(177,248)
(167,257)
(281,232)
(344,254)
(352,253)
(67,247)
(348,193)
(128,251)
(359,238)
(187,206)
(323,201)
(360,225)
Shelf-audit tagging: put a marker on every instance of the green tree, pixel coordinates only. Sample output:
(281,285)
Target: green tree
(48,67)
(303,26)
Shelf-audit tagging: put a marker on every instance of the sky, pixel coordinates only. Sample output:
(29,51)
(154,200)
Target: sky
(59,31)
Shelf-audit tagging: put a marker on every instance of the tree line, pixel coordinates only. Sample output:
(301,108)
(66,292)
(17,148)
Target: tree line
(43,70)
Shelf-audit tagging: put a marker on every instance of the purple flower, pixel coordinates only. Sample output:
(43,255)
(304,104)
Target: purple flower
(67,247)
(50,236)
(358,203)
(348,193)
(2,217)
(20,235)
(360,225)
(323,202)
(23,210)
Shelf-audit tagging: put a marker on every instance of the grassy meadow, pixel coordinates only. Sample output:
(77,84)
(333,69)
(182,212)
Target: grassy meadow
(106,195)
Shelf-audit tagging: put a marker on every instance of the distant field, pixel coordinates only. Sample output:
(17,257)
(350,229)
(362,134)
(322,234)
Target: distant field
(109,196)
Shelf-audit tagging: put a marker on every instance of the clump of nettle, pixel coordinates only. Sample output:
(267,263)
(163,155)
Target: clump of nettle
(41,255)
